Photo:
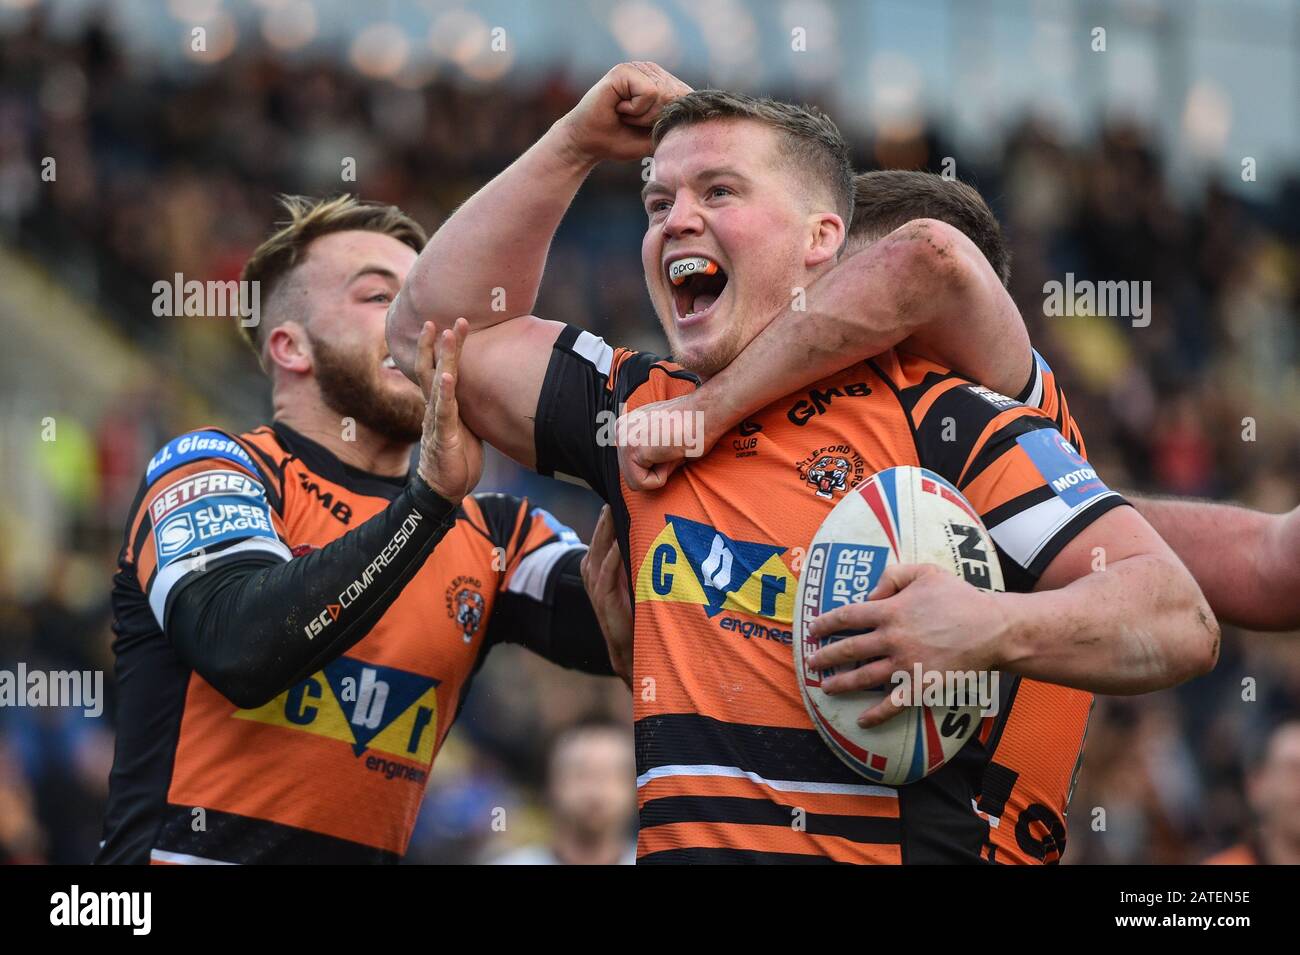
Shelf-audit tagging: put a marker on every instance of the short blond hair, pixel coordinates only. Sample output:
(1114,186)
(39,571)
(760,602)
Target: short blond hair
(309,219)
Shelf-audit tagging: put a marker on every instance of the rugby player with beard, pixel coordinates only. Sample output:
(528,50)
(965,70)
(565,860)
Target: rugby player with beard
(299,609)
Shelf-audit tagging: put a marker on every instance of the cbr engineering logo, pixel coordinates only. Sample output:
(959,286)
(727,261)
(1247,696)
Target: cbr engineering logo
(363,705)
(690,562)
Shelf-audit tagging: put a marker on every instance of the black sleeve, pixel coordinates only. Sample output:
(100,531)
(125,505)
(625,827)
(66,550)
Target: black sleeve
(544,606)
(586,384)
(1030,487)
(562,627)
(253,627)
(575,401)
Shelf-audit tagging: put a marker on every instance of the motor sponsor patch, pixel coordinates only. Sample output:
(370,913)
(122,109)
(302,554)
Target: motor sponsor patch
(1069,476)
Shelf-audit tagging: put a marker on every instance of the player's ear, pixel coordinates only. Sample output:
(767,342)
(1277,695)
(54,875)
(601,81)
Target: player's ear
(825,236)
(288,347)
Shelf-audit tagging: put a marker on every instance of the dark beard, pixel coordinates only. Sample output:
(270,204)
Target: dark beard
(347,388)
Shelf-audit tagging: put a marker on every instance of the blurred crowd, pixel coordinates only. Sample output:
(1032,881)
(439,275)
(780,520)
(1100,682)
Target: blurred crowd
(162,174)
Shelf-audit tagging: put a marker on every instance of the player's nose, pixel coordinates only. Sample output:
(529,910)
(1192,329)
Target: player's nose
(684,218)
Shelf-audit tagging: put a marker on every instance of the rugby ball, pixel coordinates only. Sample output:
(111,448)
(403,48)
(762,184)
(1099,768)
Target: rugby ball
(902,515)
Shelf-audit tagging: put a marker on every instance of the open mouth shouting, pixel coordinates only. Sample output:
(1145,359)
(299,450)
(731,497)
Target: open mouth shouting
(697,282)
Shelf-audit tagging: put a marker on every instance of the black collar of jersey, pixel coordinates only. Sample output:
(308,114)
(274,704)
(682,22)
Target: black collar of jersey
(325,463)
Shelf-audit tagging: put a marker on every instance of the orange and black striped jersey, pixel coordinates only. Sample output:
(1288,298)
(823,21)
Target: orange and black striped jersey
(1044,392)
(727,758)
(1027,784)
(334,768)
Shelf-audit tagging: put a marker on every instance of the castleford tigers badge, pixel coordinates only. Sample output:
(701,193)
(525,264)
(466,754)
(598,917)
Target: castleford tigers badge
(465,605)
(832,470)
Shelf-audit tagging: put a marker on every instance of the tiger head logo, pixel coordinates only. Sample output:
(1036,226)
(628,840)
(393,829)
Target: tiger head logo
(469,612)
(829,474)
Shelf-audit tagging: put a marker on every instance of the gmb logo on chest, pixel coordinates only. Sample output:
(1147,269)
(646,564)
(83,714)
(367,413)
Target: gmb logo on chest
(819,401)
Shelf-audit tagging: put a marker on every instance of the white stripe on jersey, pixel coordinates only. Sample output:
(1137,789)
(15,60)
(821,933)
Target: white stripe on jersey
(180,858)
(594,351)
(171,575)
(1024,535)
(1036,393)
(781,785)
(534,571)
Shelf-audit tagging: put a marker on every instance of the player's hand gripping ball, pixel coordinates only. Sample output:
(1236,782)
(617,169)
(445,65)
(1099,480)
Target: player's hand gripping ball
(902,515)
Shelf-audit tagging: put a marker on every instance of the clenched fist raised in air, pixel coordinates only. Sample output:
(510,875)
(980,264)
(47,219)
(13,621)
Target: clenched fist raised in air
(613,119)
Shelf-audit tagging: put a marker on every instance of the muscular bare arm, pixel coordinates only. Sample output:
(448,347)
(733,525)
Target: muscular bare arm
(1247,562)
(486,261)
(1139,625)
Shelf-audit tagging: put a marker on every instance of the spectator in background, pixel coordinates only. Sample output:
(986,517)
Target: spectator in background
(591,802)
(21,839)
(1273,791)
